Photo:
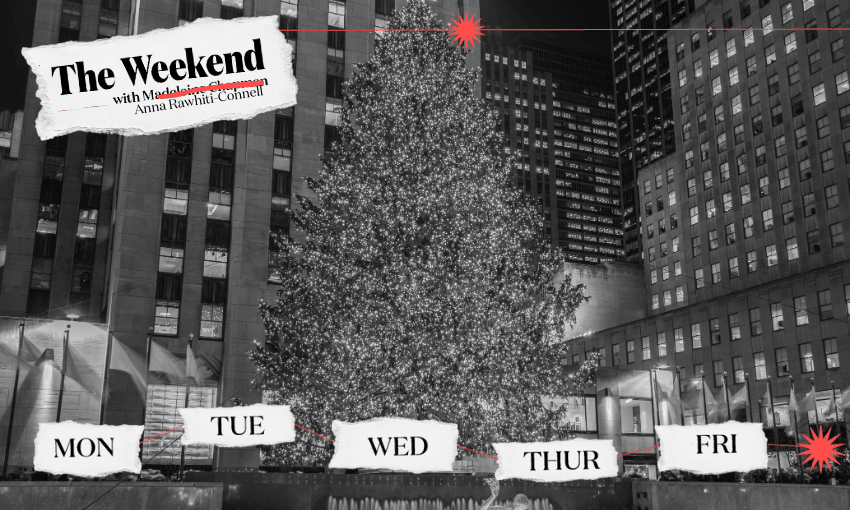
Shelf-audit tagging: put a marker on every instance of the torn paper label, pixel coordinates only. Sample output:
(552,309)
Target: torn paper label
(85,449)
(135,85)
(712,449)
(238,426)
(398,444)
(557,461)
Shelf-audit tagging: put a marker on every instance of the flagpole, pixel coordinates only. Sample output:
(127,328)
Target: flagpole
(62,379)
(183,446)
(681,400)
(106,366)
(704,403)
(657,416)
(22,325)
(145,396)
(815,403)
(775,432)
(748,410)
(726,397)
(796,432)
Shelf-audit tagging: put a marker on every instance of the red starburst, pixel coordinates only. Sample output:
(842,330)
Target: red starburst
(820,449)
(466,30)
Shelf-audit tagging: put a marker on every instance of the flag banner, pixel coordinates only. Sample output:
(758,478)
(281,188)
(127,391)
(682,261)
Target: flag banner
(557,461)
(165,364)
(667,396)
(84,449)
(163,80)
(126,360)
(739,399)
(192,372)
(712,449)
(398,444)
(238,426)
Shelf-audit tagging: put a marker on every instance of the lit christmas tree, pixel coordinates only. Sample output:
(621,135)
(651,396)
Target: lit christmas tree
(417,283)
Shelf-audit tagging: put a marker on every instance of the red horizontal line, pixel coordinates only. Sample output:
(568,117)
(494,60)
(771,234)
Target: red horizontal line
(479,453)
(310,431)
(547,29)
(642,449)
(235,85)
(166,432)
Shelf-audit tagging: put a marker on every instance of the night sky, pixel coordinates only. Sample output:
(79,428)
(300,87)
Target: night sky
(553,14)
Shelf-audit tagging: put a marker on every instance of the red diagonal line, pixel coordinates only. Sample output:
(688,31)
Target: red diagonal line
(479,453)
(235,85)
(642,449)
(166,432)
(549,29)
(310,431)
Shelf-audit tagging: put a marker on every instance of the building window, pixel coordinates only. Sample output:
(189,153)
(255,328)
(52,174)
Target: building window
(695,246)
(696,336)
(231,9)
(819,94)
(782,362)
(836,234)
(831,196)
(713,243)
(825,304)
(167,318)
(668,298)
(827,162)
(679,339)
(790,43)
(710,209)
(108,25)
(645,348)
(715,273)
(655,302)
(745,194)
(807,361)
(734,327)
(69,22)
(802,316)
(189,11)
(615,355)
(791,248)
(680,294)
(755,322)
(698,276)
(734,272)
(738,369)
(767,219)
(776,316)
(837,48)
(630,351)
(813,240)
(830,349)
(718,373)
(761,369)
(661,339)
(772,257)
(748,227)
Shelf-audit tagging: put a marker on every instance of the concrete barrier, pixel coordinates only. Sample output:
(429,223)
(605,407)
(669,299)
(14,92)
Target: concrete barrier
(128,495)
(650,495)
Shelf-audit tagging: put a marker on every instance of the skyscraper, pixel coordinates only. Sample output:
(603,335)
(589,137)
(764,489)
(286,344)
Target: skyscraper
(559,101)
(167,236)
(747,269)
(643,96)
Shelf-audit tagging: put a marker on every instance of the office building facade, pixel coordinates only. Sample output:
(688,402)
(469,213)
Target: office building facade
(747,271)
(641,67)
(166,236)
(557,114)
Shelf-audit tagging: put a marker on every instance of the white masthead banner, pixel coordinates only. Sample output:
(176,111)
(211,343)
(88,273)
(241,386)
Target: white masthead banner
(114,85)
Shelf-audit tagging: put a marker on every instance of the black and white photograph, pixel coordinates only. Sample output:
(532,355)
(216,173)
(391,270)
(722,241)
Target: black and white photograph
(424,254)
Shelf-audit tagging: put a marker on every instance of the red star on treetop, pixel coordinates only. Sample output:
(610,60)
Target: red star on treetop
(466,30)
(820,449)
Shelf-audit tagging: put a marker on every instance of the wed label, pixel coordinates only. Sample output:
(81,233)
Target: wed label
(137,85)
(398,444)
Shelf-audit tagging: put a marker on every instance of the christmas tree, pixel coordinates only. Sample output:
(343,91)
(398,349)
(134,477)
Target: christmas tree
(417,282)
